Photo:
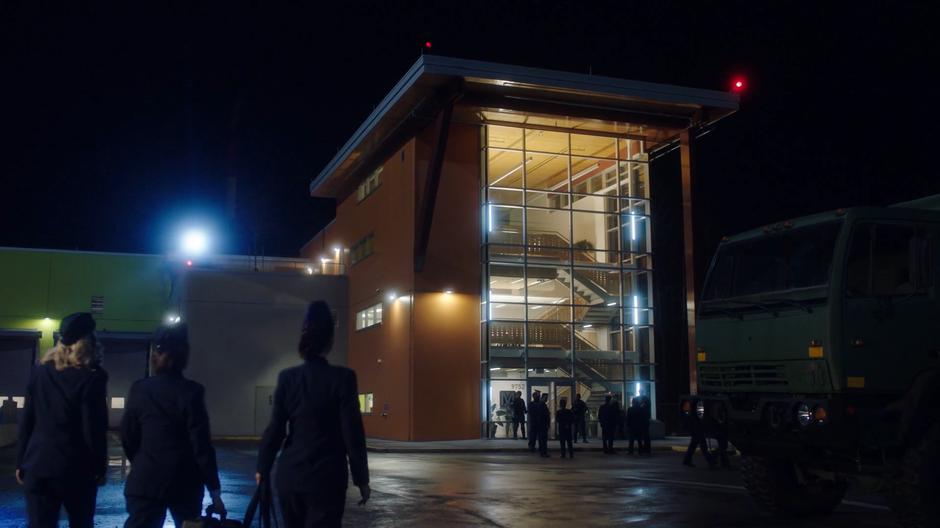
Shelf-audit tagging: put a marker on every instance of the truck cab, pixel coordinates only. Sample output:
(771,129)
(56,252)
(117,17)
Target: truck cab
(817,344)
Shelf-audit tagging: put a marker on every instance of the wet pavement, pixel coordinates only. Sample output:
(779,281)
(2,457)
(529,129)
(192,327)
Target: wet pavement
(509,490)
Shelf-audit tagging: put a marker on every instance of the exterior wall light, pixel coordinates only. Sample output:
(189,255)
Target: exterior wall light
(448,291)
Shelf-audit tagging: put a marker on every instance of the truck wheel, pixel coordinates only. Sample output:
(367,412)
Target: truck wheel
(774,486)
(914,491)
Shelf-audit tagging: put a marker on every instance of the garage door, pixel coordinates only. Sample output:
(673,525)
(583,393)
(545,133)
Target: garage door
(18,350)
(126,359)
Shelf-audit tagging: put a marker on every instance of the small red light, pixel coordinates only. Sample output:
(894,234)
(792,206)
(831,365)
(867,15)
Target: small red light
(737,85)
(189,263)
(427,44)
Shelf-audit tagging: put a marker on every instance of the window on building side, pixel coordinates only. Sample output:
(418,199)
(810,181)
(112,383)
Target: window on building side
(361,249)
(369,317)
(365,403)
(370,184)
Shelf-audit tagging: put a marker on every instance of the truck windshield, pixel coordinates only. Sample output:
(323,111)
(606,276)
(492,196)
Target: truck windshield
(799,258)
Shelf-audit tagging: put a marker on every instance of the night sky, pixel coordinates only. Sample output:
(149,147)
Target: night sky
(118,124)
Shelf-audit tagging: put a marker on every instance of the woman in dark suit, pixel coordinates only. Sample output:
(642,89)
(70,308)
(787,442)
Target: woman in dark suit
(165,434)
(321,405)
(62,454)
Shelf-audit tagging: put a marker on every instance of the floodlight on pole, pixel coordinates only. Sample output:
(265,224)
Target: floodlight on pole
(194,242)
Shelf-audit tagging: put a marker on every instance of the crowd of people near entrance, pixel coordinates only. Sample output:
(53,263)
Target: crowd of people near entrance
(631,424)
(62,455)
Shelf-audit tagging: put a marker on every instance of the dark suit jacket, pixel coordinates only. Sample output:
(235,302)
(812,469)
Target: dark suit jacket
(64,426)
(165,434)
(565,419)
(321,405)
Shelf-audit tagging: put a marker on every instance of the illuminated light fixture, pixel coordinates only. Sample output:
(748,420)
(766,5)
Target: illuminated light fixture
(309,270)
(738,84)
(511,172)
(324,260)
(336,249)
(636,389)
(392,296)
(612,303)
(427,44)
(494,369)
(636,313)
(172,319)
(404,298)
(449,291)
(489,218)
(194,242)
(46,320)
(587,326)
(632,227)
(189,263)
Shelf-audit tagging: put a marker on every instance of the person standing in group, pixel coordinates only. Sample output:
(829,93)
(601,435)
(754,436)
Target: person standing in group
(580,418)
(646,416)
(697,440)
(608,415)
(518,415)
(621,433)
(316,410)
(545,420)
(165,435)
(564,417)
(633,426)
(62,456)
(533,420)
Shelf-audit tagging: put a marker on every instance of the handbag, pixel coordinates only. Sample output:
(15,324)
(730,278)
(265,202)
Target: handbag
(262,502)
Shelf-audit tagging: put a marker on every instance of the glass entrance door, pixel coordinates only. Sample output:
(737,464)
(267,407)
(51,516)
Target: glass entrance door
(556,390)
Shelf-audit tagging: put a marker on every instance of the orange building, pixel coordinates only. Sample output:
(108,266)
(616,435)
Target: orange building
(494,225)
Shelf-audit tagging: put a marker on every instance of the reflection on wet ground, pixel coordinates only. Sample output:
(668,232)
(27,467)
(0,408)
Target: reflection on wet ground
(517,489)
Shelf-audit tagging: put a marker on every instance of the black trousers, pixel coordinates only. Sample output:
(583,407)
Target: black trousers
(533,436)
(634,436)
(313,510)
(47,496)
(564,437)
(580,428)
(608,432)
(723,450)
(516,423)
(543,441)
(698,441)
(147,512)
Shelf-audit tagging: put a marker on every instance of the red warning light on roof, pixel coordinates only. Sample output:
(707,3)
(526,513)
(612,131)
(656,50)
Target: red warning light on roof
(737,84)
(427,44)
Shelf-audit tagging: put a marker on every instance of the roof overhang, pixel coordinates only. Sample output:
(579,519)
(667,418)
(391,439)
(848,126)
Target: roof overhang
(657,112)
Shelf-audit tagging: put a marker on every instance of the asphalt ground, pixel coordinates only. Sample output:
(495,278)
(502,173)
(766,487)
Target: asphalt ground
(509,490)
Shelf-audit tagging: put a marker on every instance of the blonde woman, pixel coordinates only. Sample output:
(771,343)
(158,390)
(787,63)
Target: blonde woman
(62,453)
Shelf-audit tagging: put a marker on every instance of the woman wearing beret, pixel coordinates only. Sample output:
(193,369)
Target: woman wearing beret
(165,435)
(62,454)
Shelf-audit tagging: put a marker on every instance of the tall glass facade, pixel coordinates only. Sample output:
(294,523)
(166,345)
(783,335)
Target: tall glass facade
(567,299)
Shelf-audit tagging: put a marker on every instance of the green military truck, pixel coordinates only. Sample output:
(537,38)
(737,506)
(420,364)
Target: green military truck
(817,357)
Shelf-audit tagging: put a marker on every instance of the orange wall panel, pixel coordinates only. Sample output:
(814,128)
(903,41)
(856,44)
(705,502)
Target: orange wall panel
(447,327)
(388,213)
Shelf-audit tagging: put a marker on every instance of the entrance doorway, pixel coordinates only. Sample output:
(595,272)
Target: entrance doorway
(556,390)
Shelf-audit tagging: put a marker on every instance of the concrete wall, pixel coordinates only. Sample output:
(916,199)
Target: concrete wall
(244,329)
